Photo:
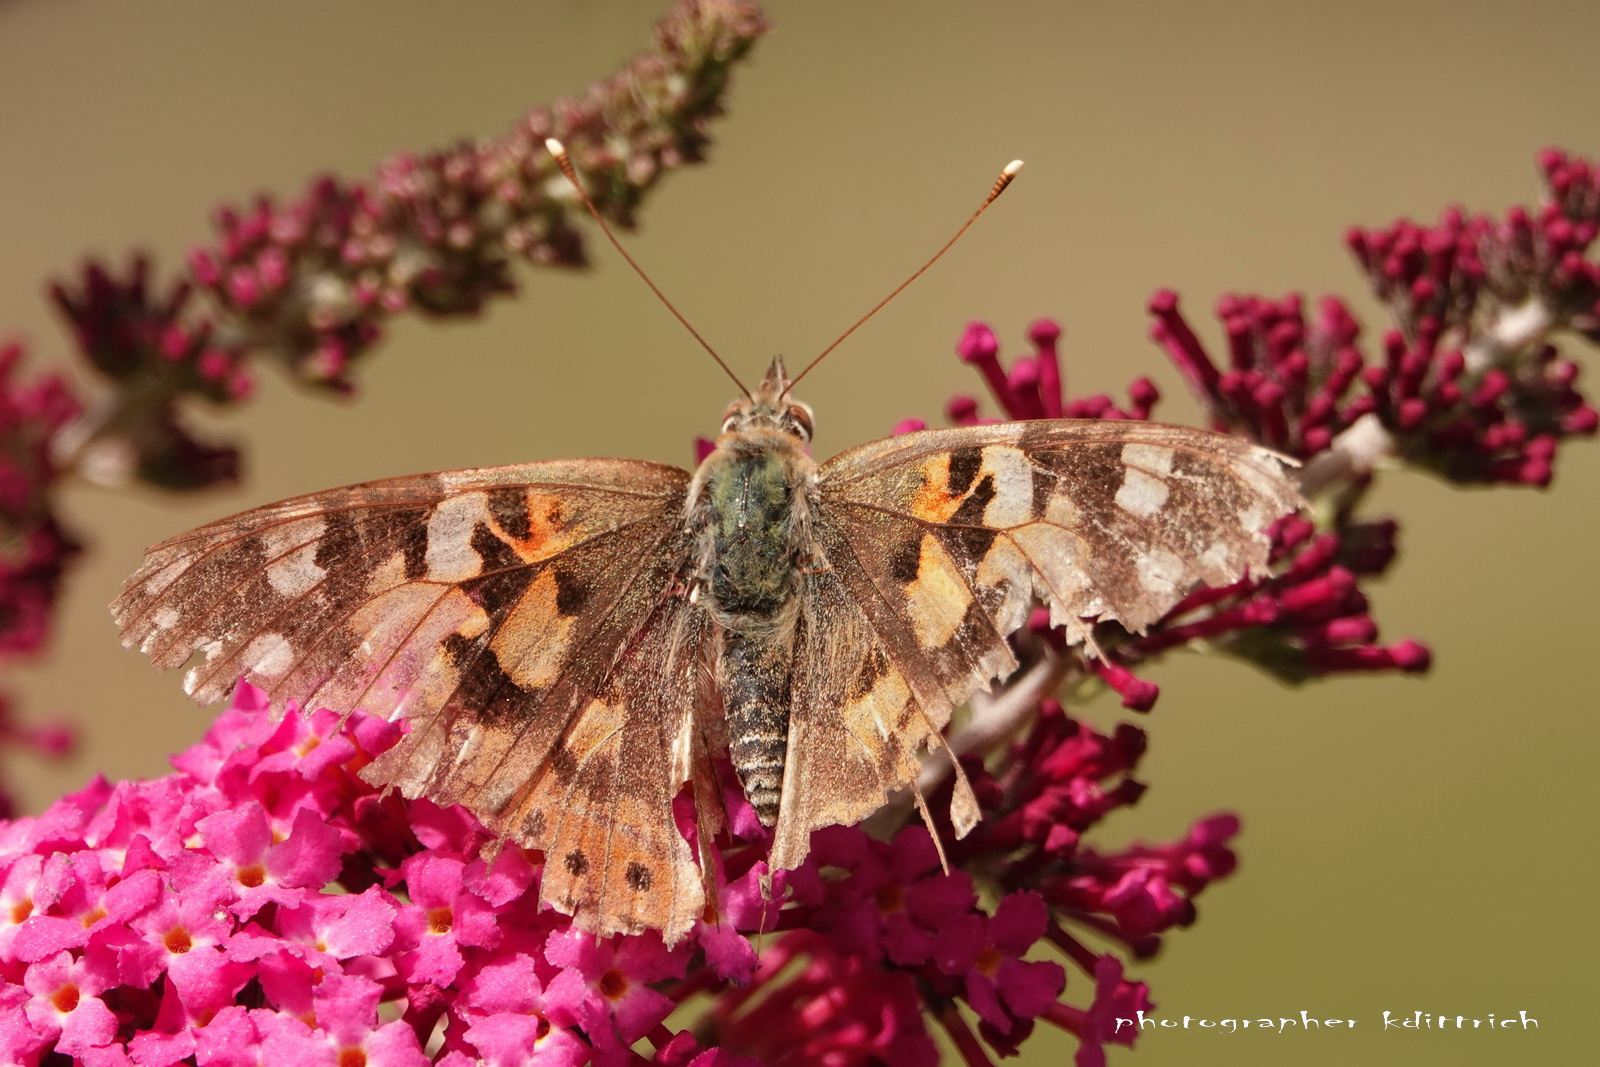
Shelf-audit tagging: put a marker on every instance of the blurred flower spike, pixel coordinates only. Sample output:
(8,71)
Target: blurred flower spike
(311,282)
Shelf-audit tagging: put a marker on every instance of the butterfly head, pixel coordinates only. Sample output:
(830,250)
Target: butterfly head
(771,408)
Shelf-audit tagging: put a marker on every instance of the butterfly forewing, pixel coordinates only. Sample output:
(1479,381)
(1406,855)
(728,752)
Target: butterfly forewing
(516,616)
(286,593)
(1097,519)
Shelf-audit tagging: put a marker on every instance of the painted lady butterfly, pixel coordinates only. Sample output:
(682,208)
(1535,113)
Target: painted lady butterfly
(574,641)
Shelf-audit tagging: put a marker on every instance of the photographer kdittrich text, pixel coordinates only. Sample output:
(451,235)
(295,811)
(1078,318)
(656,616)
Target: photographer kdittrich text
(1417,1020)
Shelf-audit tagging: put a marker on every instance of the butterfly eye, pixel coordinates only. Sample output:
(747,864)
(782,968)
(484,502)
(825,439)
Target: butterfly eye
(800,415)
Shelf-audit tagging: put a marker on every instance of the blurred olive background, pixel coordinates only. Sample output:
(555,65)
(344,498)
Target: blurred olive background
(1409,845)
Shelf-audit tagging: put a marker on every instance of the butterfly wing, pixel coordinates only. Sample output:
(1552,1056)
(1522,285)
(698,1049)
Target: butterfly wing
(858,715)
(937,543)
(528,621)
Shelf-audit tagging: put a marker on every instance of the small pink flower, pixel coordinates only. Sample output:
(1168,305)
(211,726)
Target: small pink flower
(605,986)
(66,1008)
(441,919)
(1002,987)
(511,1038)
(264,869)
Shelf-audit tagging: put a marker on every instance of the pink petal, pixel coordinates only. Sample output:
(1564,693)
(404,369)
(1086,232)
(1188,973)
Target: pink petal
(395,1045)
(346,1006)
(1019,920)
(311,855)
(151,1049)
(959,944)
(239,836)
(364,925)
(228,1040)
(729,952)
(91,1023)
(1028,987)
(506,983)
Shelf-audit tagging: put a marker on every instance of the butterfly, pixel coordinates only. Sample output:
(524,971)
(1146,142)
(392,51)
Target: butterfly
(575,641)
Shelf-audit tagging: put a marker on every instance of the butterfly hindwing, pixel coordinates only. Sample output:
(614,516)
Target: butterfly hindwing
(594,792)
(855,724)
(528,621)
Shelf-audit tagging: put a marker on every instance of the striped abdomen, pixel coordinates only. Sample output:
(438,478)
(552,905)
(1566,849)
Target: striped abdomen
(755,697)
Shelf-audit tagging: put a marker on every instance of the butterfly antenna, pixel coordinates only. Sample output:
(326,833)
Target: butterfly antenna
(1000,184)
(557,149)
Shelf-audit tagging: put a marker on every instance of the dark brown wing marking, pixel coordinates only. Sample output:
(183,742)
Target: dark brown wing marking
(517,616)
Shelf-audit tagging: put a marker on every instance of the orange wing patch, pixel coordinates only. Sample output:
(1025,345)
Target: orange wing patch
(536,526)
(936,499)
(938,596)
(535,640)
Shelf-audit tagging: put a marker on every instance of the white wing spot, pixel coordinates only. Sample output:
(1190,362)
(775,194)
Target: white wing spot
(296,573)
(281,540)
(1216,557)
(166,618)
(191,681)
(164,577)
(292,548)
(1153,458)
(1061,510)
(1141,494)
(1161,573)
(451,557)
(1013,486)
(269,655)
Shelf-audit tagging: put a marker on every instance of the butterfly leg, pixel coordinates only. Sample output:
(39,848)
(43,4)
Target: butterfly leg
(933,830)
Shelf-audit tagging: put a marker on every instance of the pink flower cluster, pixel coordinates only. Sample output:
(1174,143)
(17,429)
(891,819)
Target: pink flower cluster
(312,281)
(263,904)
(1295,385)
(1041,798)
(1469,269)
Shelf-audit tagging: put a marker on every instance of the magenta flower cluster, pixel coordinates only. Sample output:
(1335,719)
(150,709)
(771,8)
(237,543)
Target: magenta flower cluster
(34,549)
(156,354)
(1470,384)
(263,904)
